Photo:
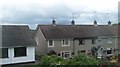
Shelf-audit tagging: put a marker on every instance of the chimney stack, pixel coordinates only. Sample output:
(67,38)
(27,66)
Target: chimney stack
(72,22)
(53,22)
(95,23)
(109,23)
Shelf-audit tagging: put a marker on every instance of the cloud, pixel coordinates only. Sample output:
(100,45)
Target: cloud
(34,12)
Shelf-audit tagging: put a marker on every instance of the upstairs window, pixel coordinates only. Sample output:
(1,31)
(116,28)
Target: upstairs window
(109,40)
(4,53)
(20,51)
(65,43)
(93,41)
(50,43)
(81,42)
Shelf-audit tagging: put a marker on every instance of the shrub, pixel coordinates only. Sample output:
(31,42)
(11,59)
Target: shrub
(82,59)
(51,53)
(51,60)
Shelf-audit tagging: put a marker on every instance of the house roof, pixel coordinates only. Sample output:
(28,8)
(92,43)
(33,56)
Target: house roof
(33,32)
(77,31)
(16,35)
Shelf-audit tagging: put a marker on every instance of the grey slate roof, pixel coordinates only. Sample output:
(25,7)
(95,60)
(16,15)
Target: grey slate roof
(33,32)
(77,31)
(16,35)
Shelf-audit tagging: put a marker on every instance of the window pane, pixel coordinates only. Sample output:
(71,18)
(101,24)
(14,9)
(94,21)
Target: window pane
(20,51)
(4,53)
(109,40)
(93,41)
(81,42)
(65,42)
(65,54)
(50,43)
(109,51)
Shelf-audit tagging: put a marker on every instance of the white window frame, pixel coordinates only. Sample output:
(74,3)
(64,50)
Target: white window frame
(65,44)
(37,41)
(52,43)
(64,54)
(109,40)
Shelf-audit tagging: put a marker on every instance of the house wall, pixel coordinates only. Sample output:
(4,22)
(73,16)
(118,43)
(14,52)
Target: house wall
(11,60)
(41,48)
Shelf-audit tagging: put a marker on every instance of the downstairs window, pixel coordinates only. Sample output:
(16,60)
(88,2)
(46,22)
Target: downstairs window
(4,53)
(20,51)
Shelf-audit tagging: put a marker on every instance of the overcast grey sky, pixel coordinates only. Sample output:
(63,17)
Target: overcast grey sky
(35,12)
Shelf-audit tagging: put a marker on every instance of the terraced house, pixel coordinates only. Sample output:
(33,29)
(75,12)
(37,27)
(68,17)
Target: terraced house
(70,40)
(18,46)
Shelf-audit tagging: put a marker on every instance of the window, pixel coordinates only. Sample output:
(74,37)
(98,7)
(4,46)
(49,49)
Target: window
(50,43)
(4,53)
(65,54)
(20,51)
(65,43)
(109,40)
(93,41)
(109,51)
(37,41)
(81,42)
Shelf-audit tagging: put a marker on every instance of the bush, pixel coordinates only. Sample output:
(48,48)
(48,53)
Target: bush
(51,53)
(81,59)
(51,60)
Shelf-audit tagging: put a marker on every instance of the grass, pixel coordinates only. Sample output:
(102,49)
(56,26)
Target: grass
(31,66)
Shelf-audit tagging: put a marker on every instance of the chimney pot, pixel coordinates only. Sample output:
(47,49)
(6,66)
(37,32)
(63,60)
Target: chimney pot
(109,23)
(72,22)
(95,23)
(53,22)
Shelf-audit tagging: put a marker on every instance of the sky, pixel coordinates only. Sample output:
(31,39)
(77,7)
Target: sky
(34,12)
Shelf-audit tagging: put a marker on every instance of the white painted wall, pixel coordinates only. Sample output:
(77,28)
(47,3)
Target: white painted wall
(11,60)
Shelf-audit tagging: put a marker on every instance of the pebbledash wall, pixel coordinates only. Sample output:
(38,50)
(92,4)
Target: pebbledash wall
(12,60)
